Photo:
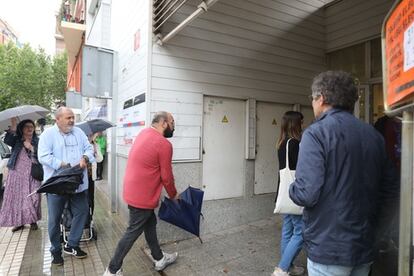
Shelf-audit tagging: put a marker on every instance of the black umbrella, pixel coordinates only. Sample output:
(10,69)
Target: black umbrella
(94,126)
(184,213)
(64,181)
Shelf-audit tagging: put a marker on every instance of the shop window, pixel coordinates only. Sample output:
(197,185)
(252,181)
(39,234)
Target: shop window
(376,61)
(378,102)
(351,59)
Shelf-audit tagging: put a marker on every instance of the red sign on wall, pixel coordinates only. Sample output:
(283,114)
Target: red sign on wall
(398,36)
(137,39)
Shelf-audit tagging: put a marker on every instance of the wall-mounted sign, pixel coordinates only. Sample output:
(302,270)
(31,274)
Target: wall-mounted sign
(398,54)
(131,120)
(97,72)
(73,99)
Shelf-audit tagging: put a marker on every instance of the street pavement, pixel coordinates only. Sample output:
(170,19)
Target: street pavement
(250,249)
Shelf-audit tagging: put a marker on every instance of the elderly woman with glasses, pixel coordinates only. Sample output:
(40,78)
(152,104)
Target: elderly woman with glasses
(18,209)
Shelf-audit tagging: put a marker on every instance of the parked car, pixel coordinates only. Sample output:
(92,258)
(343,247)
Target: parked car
(5,153)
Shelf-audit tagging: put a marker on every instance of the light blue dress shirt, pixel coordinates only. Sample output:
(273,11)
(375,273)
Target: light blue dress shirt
(56,146)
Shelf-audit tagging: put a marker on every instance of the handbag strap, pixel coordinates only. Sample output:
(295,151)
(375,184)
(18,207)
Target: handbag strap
(287,153)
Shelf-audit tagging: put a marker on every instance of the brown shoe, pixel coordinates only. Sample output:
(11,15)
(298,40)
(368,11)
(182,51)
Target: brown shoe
(33,226)
(17,228)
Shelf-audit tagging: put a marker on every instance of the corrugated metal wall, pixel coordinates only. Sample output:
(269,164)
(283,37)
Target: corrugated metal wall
(130,18)
(263,49)
(353,21)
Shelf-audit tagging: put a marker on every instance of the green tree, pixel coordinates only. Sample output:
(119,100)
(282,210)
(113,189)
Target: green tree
(30,76)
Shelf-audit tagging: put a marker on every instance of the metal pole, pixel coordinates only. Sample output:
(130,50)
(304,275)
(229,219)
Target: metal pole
(114,168)
(406,198)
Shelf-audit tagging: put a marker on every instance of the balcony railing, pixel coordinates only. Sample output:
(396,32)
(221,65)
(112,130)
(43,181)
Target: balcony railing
(73,11)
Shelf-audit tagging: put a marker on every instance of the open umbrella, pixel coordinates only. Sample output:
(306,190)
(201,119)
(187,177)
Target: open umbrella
(32,112)
(184,213)
(64,181)
(94,126)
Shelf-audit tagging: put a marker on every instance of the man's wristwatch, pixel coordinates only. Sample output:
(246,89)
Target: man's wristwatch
(86,158)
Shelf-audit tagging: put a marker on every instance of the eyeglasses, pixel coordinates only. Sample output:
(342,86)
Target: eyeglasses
(314,98)
(70,140)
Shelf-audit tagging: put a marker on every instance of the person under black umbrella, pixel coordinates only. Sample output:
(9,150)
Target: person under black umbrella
(91,129)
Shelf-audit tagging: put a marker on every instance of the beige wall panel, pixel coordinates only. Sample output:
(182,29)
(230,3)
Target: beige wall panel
(353,21)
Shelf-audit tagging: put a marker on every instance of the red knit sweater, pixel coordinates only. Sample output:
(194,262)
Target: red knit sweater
(148,169)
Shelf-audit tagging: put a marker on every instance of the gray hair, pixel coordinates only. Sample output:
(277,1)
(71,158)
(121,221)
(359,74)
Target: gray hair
(61,110)
(338,89)
(158,116)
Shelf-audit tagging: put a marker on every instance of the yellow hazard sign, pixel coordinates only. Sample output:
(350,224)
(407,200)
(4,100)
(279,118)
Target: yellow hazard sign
(274,122)
(225,120)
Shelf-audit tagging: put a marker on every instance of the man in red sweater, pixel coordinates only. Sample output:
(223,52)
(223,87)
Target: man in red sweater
(148,170)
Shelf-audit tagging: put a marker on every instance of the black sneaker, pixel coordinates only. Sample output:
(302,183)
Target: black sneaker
(57,259)
(75,251)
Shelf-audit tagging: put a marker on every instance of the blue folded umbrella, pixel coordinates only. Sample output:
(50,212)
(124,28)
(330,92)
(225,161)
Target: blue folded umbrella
(184,213)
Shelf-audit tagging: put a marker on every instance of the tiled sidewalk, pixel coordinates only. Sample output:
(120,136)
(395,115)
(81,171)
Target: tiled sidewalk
(250,249)
(12,247)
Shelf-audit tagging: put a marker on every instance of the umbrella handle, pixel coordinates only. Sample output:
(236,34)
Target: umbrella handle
(32,193)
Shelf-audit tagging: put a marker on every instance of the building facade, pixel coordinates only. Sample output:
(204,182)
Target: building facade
(7,34)
(228,77)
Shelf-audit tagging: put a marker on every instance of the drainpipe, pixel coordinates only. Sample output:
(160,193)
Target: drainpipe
(202,8)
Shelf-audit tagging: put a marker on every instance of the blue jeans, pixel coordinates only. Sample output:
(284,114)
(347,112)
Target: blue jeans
(292,240)
(316,269)
(80,210)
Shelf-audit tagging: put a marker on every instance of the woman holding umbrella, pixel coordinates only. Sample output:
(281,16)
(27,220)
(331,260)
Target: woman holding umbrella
(18,209)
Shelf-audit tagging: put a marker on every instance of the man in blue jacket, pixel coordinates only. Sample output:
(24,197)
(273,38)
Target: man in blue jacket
(343,179)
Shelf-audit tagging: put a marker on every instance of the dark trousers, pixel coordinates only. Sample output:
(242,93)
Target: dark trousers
(140,220)
(91,194)
(99,168)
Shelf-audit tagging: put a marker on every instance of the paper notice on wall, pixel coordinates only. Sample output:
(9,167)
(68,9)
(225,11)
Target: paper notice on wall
(409,48)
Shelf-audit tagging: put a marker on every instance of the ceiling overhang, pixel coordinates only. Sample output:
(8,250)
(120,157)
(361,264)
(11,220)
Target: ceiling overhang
(73,34)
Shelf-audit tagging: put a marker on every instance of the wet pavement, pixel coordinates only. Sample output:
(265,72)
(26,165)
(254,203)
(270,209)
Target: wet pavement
(250,249)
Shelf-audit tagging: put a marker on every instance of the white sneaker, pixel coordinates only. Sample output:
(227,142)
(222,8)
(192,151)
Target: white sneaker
(108,273)
(296,270)
(279,272)
(165,261)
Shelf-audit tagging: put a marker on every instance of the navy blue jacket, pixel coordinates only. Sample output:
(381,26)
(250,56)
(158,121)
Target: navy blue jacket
(13,141)
(343,179)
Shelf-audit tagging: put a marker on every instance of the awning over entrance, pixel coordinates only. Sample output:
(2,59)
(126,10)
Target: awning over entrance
(164,9)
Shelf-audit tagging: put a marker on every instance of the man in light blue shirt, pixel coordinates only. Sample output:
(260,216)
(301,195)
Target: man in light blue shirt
(61,146)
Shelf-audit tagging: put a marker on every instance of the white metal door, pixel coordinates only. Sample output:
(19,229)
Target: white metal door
(223,148)
(269,116)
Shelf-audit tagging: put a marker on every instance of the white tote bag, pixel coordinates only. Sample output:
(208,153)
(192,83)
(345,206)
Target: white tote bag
(284,205)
